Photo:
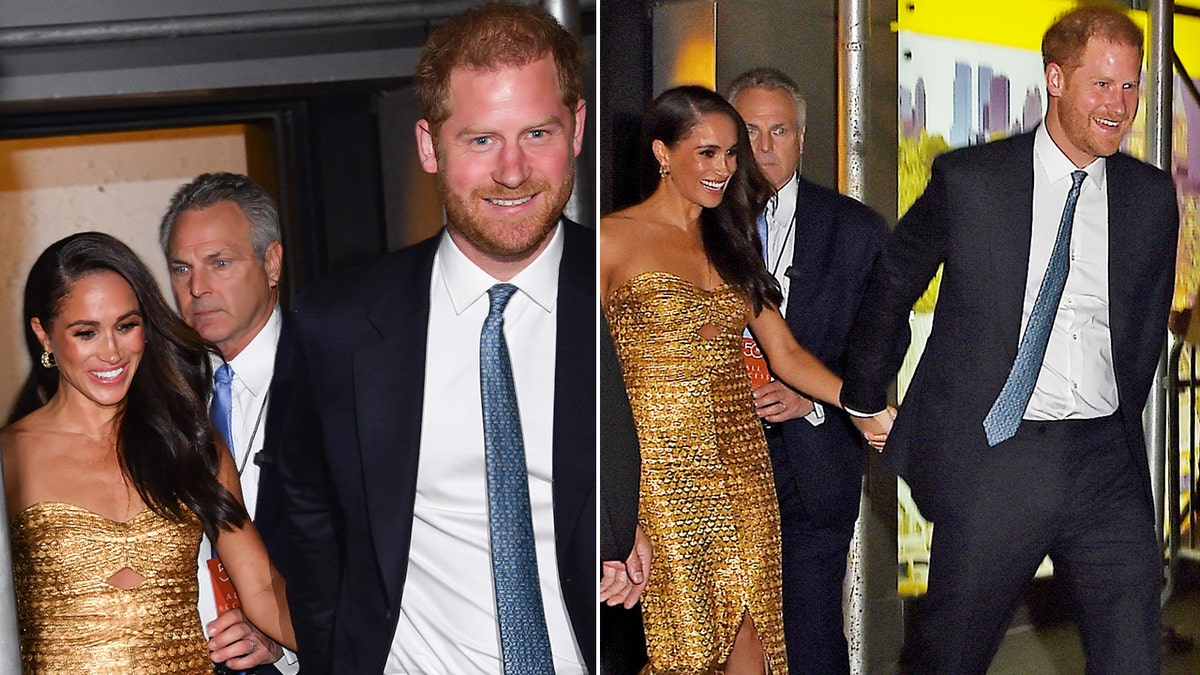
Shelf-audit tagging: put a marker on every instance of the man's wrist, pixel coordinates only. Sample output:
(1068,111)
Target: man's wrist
(855,413)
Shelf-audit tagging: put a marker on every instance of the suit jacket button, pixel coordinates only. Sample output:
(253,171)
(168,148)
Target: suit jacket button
(388,615)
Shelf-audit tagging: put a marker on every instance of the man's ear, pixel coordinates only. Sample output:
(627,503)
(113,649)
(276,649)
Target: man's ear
(273,263)
(426,147)
(580,118)
(1055,77)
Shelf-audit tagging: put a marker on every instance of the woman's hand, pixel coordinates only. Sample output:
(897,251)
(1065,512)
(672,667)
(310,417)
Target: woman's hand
(876,429)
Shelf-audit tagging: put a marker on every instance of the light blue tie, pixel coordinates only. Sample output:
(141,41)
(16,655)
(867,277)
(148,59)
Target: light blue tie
(761,222)
(1006,413)
(220,409)
(524,640)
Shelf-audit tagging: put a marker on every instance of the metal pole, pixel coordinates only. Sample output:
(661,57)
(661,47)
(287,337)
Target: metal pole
(10,640)
(580,206)
(852,91)
(567,13)
(854,20)
(1158,141)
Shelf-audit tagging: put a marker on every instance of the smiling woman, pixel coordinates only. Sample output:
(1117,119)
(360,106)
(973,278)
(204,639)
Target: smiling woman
(681,278)
(112,465)
(97,340)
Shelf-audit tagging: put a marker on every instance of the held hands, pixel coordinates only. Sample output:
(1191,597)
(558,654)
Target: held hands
(238,644)
(876,429)
(776,402)
(622,583)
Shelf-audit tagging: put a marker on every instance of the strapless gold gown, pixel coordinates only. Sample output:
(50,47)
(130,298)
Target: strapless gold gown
(73,621)
(707,494)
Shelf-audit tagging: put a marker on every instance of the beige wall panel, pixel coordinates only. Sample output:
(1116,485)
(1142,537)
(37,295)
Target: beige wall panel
(117,183)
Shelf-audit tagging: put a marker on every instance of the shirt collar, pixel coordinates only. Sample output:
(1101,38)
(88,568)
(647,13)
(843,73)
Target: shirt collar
(255,364)
(790,190)
(1056,166)
(467,283)
(786,195)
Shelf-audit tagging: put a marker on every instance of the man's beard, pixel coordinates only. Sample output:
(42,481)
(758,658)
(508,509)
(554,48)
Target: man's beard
(501,237)
(1077,126)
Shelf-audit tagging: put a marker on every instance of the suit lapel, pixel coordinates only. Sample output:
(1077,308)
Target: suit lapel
(1122,284)
(1008,233)
(575,389)
(812,220)
(267,512)
(388,400)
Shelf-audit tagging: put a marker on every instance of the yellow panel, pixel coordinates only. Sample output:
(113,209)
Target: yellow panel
(1000,22)
(697,63)
(1021,24)
(1187,42)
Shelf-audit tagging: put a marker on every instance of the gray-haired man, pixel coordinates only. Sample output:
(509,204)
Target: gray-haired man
(221,239)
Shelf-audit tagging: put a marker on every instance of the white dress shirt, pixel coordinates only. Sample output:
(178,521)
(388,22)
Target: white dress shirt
(253,369)
(781,235)
(447,621)
(781,246)
(1076,380)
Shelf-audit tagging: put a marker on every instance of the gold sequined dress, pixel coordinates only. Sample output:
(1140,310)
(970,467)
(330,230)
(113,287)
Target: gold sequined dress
(73,621)
(707,494)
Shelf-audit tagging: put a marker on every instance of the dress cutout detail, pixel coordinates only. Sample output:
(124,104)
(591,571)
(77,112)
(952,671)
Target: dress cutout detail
(74,621)
(708,499)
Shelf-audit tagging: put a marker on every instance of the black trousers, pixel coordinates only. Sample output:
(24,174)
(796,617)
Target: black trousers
(814,568)
(622,640)
(1068,489)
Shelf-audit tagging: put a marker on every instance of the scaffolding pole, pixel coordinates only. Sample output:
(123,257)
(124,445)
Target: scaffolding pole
(854,22)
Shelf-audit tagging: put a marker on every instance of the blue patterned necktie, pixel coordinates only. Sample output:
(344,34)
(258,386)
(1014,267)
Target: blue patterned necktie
(1006,413)
(761,222)
(220,409)
(524,639)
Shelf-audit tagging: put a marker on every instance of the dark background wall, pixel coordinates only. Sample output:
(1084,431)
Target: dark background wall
(327,81)
(799,37)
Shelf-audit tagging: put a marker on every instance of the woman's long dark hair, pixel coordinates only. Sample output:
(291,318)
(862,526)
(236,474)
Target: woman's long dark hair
(729,232)
(164,439)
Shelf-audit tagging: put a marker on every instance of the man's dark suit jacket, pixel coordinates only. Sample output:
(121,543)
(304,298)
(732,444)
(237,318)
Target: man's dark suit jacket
(349,459)
(975,217)
(268,511)
(837,241)
(620,457)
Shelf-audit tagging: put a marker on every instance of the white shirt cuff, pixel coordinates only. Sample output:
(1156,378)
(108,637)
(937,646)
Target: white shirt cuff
(855,413)
(817,416)
(289,663)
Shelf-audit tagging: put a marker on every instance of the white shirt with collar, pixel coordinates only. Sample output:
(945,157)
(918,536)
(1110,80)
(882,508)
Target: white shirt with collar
(447,621)
(781,246)
(253,369)
(1076,380)
(781,234)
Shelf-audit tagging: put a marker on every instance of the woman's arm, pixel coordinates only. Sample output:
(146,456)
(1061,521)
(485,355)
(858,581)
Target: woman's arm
(790,362)
(802,371)
(260,588)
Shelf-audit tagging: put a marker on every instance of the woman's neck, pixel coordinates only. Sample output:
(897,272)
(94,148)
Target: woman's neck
(675,208)
(76,413)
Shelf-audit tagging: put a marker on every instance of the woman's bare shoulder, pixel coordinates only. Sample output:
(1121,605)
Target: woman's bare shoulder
(41,432)
(631,215)
(23,431)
